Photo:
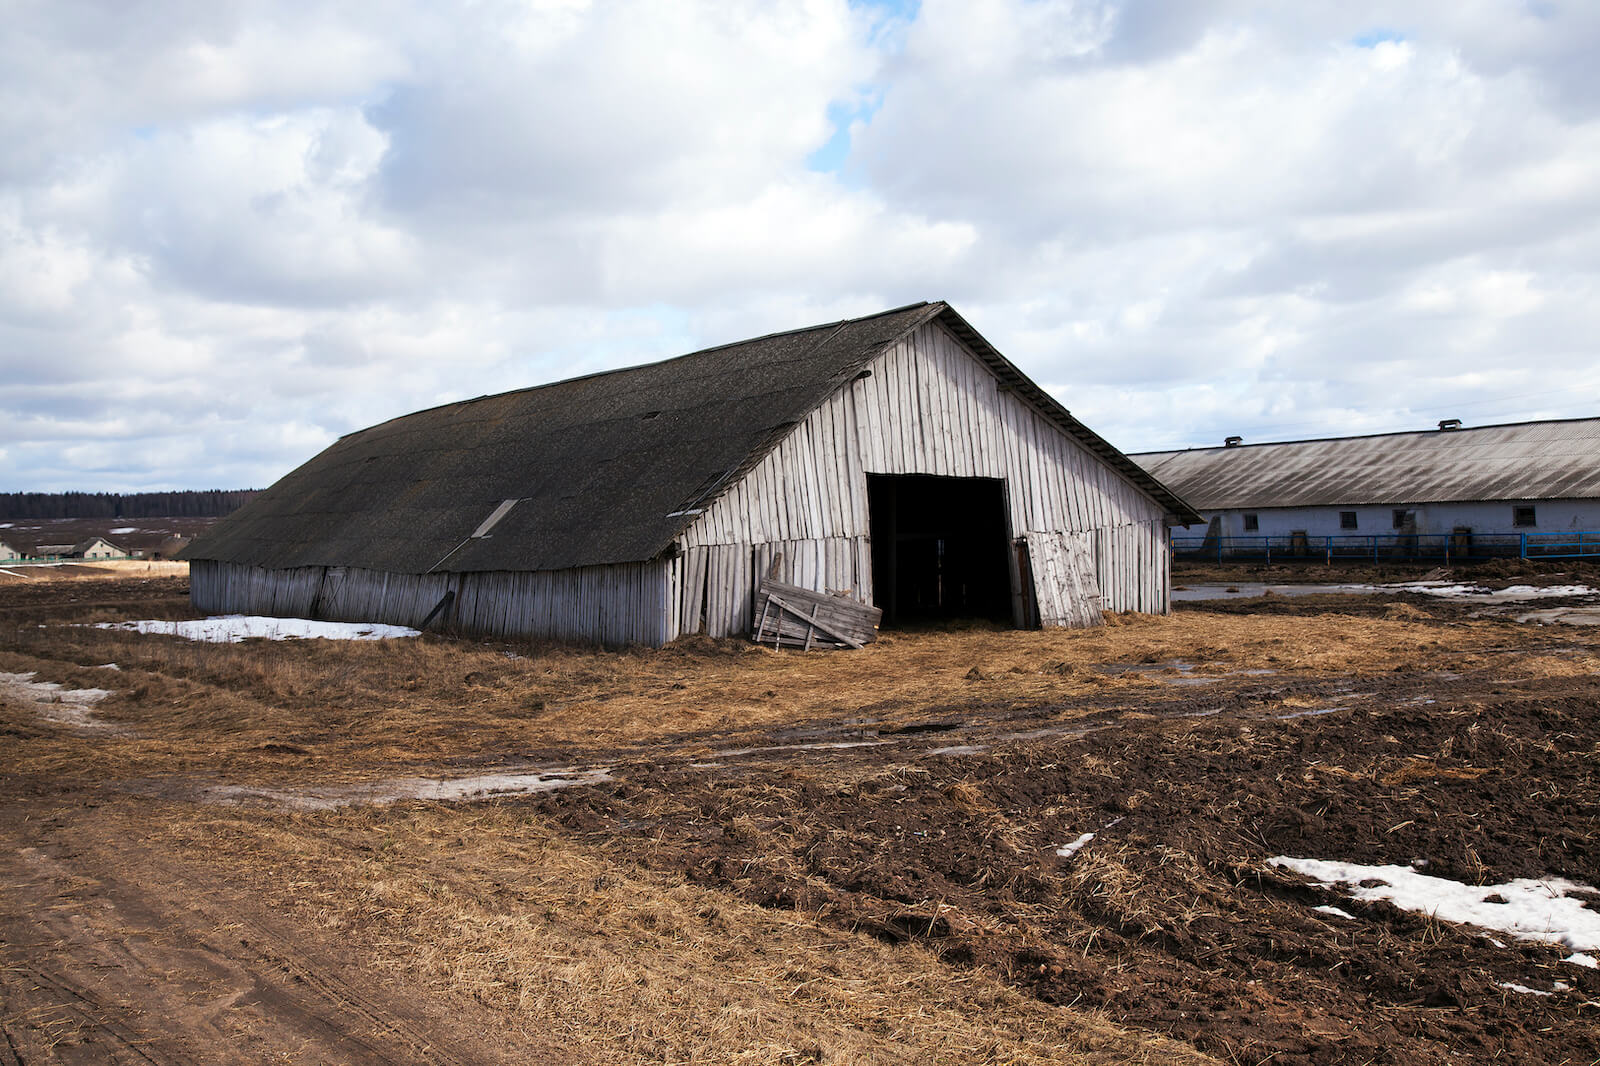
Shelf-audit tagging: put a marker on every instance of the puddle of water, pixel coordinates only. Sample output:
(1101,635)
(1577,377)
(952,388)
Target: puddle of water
(1572,616)
(1312,713)
(731,753)
(1251,590)
(1118,669)
(960,749)
(1056,731)
(55,703)
(1176,672)
(392,790)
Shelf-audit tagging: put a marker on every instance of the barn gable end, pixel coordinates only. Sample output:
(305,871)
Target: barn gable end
(927,405)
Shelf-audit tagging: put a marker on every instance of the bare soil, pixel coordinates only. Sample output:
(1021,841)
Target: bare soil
(838,857)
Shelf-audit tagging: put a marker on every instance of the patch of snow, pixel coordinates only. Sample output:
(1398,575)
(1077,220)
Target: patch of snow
(233,628)
(124,529)
(1335,911)
(108,666)
(1542,910)
(5,525)
(960,749)
(1067,851)
(447,790)
(1479,593)
(1524,989)
(1578,958)
(55,703)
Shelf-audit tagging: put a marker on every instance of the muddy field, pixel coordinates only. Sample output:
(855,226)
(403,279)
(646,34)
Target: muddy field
(435,850)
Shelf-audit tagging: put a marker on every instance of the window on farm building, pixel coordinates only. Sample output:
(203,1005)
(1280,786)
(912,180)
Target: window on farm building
(1347,520)
(1523,516)
(1404,518)
(1251,523)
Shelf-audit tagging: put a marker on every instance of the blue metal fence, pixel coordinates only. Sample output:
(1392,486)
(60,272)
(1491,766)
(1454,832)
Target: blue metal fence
(1381,547)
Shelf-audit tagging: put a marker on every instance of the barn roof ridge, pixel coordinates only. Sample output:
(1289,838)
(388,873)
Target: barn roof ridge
(593,374)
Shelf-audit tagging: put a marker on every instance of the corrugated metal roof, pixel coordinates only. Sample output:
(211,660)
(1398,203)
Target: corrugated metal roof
(608,468)
(1523,461)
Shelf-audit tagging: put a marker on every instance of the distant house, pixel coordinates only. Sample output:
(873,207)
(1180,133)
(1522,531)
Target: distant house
(1527,477)
(8,553)
(93,548)
(898,459)
(96,548)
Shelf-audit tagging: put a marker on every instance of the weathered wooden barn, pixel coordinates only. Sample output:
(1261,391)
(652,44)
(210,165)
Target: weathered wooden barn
(897,458)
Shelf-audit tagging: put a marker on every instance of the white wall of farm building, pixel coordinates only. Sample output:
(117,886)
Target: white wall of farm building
(1493,516)
(928,407)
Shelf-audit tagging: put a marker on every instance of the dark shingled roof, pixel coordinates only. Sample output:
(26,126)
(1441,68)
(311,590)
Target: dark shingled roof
(1523,461)
(604,467)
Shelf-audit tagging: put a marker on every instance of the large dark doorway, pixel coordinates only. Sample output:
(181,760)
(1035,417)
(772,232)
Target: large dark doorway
(938,548)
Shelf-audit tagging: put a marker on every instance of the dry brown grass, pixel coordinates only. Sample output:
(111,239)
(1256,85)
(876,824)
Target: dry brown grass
(266,709)
(620,964)
(623,963)
(107,569)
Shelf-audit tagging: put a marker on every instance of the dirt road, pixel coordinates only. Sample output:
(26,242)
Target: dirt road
(117,952)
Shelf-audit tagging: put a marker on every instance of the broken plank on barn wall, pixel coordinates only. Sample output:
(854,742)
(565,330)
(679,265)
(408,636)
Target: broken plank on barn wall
(1064,581)
(794,617)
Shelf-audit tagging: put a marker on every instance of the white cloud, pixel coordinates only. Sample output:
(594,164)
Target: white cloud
(229,233)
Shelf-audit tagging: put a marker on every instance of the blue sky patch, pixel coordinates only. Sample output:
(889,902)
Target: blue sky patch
(1374,37)
(831,157)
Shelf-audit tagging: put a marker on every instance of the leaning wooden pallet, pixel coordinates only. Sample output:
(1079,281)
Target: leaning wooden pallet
(788,616)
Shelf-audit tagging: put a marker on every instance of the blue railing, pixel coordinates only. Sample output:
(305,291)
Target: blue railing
(1380,547)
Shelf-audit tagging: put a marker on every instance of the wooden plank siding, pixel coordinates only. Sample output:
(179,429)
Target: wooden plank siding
(928,407)
(612,605)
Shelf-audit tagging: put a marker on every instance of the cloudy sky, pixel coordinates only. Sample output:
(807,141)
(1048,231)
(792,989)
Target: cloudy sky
(231,231)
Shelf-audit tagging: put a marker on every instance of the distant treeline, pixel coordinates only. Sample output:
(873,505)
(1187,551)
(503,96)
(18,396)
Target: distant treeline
(203,503)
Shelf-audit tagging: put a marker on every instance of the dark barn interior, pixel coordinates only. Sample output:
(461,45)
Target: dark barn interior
(938,548)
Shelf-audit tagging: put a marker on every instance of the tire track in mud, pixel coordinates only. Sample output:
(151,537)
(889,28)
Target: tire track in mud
(108,959)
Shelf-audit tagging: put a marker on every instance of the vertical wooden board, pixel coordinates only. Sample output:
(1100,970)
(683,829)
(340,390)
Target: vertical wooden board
(895,411)
(925,439)
(1064,583)
(697,563)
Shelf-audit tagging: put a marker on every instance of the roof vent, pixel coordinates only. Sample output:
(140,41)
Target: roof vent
(1449,423)
(1232,442)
